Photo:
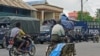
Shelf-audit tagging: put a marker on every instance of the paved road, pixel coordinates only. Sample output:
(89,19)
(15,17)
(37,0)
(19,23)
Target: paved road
(88,49)
(82,49)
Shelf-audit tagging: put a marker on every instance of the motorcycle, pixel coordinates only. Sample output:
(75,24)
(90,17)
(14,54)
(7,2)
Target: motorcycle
(14,52)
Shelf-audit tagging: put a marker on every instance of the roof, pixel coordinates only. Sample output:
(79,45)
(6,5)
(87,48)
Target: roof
(44,5)
(16,3)
(2,18)
(36,3)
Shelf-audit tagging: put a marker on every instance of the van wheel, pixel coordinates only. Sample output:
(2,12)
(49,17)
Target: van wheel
(4,43)
(2,46)
(41,42)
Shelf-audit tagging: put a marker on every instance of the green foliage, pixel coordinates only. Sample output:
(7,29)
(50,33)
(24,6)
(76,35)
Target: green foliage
(85,16)
(97,20)
(98,15)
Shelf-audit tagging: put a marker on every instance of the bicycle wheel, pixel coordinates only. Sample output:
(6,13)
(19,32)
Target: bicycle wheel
(12,51)
(48,51)
(32,51)
(67,50)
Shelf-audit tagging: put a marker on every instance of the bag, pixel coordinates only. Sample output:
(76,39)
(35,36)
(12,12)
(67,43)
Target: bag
(68,25)
(57,51)
(11,42)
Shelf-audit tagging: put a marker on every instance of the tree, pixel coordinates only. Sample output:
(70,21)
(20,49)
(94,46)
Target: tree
(98,15)
(85,16)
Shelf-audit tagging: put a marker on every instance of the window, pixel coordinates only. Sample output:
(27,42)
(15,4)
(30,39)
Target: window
(26,12)
(1,8)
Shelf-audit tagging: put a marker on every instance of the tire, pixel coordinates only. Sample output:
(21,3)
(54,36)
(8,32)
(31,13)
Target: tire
(72,53)
(2,46)
(12,52)
(41,42)
(48,51)
(97,39)
(32,51)
(4,43)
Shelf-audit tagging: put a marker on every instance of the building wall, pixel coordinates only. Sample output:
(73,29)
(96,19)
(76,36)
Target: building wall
(34,14)
(46,11)
(11,11)
(48,15)
(57,15)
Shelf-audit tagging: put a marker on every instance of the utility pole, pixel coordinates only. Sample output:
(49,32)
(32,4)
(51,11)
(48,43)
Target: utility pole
(46,2)
(81,9)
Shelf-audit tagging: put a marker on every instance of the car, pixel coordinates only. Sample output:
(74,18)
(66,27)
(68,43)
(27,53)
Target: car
(45,34)
(3,29)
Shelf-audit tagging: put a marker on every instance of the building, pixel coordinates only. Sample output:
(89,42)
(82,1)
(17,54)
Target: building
(46,11)
(16,8)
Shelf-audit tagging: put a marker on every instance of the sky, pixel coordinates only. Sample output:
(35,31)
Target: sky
(74,5)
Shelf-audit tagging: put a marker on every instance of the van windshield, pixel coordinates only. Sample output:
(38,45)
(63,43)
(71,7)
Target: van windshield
(45,28)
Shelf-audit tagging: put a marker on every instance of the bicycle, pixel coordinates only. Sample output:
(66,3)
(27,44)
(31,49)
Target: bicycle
(67,50)
(14,52)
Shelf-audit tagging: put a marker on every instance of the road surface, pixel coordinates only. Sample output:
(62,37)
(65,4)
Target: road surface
(82,49)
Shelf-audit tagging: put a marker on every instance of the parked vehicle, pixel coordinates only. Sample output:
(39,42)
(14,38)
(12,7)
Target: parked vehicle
(30,25)
(45,34)
(4,27)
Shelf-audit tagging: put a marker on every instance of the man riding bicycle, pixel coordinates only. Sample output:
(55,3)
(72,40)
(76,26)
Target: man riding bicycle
(16,36)
(58,33)
(58,36)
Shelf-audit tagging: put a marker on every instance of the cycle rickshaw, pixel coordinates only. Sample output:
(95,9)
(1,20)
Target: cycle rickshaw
(67,50)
